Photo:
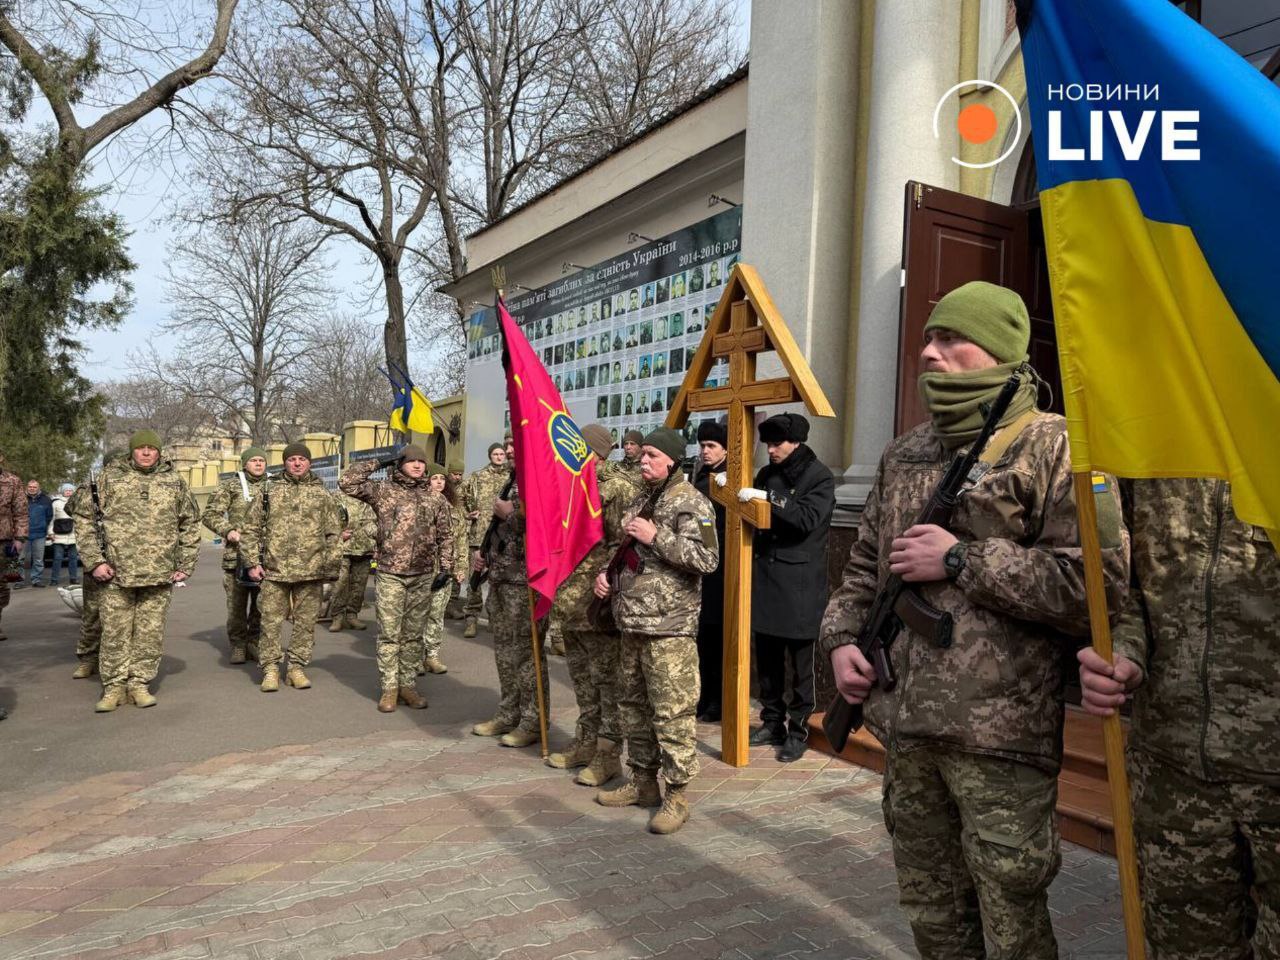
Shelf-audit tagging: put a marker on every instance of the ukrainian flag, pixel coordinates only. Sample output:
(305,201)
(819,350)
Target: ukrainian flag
(1165,280)
(412,411)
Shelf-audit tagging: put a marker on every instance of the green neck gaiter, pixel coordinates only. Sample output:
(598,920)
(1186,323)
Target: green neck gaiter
(955,399)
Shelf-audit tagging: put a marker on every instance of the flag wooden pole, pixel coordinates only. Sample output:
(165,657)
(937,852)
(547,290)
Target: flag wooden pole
(535,638)
(1112,733)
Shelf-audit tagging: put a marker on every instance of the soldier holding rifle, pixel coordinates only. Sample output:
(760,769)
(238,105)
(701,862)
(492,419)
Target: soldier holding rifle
(973,726)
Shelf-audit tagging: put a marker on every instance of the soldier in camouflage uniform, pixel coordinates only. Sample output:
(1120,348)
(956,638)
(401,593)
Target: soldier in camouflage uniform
(973,732)
(359,539)
(90,640)
(478,494)
(1200,646)
(656,608)
(13,526)
(630,462)
(454,610)
(516,723)
(224,514)
(415,545)
(152,537)
(592,654)
(294,532)
(433,632)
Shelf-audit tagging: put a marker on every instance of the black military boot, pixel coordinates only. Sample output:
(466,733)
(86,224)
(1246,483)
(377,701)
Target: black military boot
(795,747)
(768,736)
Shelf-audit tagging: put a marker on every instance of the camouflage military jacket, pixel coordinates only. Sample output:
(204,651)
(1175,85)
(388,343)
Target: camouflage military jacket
(293,529)
(478,493)
(151,524)
(662,596)
(1202,622)
(630,468)
(363,524)
(461,534)
(618,490)
(13,507)
(226,511)
(998,689)
(506,559)
(415,524)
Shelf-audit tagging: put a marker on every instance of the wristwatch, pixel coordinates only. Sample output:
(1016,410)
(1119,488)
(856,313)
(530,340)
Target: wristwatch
(953,560)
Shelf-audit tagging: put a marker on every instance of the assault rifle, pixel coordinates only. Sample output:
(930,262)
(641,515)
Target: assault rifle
(898,604)
(478,577)
(99,519)
(600,612)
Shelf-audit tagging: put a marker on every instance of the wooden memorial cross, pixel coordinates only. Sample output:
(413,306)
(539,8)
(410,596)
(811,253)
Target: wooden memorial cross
(745,323)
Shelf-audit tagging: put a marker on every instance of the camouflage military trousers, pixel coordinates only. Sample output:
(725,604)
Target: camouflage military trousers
(274,599)
(658,681)
(244,618)
(402,603)
(348,593)
(975,844)
(90,620)
(433,630)
(592,657)
(1209,858)
(475,598)
(132,632)
(513,652)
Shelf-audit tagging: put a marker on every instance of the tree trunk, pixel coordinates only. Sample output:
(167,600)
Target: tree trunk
(393,335)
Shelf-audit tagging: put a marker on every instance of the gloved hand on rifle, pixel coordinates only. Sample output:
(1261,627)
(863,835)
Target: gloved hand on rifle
(441,581)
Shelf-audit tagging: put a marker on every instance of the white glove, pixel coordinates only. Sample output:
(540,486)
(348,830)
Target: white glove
(751,493)
(720,478)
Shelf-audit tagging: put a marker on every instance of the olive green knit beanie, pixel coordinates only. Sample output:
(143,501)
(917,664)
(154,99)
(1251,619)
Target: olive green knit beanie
(993,317)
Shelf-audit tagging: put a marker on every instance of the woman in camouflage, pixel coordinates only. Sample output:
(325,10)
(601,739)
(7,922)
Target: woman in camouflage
(434,633)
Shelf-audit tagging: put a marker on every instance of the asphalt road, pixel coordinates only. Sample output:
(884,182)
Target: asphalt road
(207,707)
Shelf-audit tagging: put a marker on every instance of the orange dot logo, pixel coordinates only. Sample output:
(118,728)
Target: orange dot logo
(977,123)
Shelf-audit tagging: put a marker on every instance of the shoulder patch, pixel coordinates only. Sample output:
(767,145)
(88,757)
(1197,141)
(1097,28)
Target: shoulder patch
(708,531)
(1108,509)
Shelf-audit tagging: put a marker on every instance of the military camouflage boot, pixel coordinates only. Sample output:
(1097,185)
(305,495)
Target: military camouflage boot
(470,630)
(270,679)
(519,737)
(674,813)
(411,698)
(296,678)
(435,665)
(112,697)
(239,655)
(339,624)
(86,668)
(492,728)
(604,766)
(387,702)
(140,695)
(354,623)
(640,791)
(579,754)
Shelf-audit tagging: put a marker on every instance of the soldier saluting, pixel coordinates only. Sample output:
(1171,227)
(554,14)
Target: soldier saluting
(148,538)
(655,604)
(973,731)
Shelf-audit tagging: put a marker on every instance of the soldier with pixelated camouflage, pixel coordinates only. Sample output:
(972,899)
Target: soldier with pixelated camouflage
(479,492)
(90,641)
(292,536)
(655,605)
(591,653)
(224,515)
(1198,649)
(973,731)
(415,545)
(150,541)
(359,540)
(516,723)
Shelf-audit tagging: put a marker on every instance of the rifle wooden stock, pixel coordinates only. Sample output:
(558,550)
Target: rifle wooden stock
(898,604)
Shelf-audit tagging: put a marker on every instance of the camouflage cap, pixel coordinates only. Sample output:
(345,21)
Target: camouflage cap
(144,438)
(297,450)
(455,466)
(436,469)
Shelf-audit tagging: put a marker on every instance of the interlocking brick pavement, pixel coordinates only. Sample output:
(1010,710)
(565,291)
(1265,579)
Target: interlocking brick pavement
(419,840)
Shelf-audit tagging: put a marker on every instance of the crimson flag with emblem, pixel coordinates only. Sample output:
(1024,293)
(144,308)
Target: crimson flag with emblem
(555,474)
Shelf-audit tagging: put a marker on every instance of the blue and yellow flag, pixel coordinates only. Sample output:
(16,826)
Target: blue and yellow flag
(1158,159)
(412,411)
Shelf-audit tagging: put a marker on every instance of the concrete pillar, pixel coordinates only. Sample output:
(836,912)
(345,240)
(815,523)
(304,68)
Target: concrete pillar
(916,60)
(360,435)
(798,191)
(275,454)
(322,444)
